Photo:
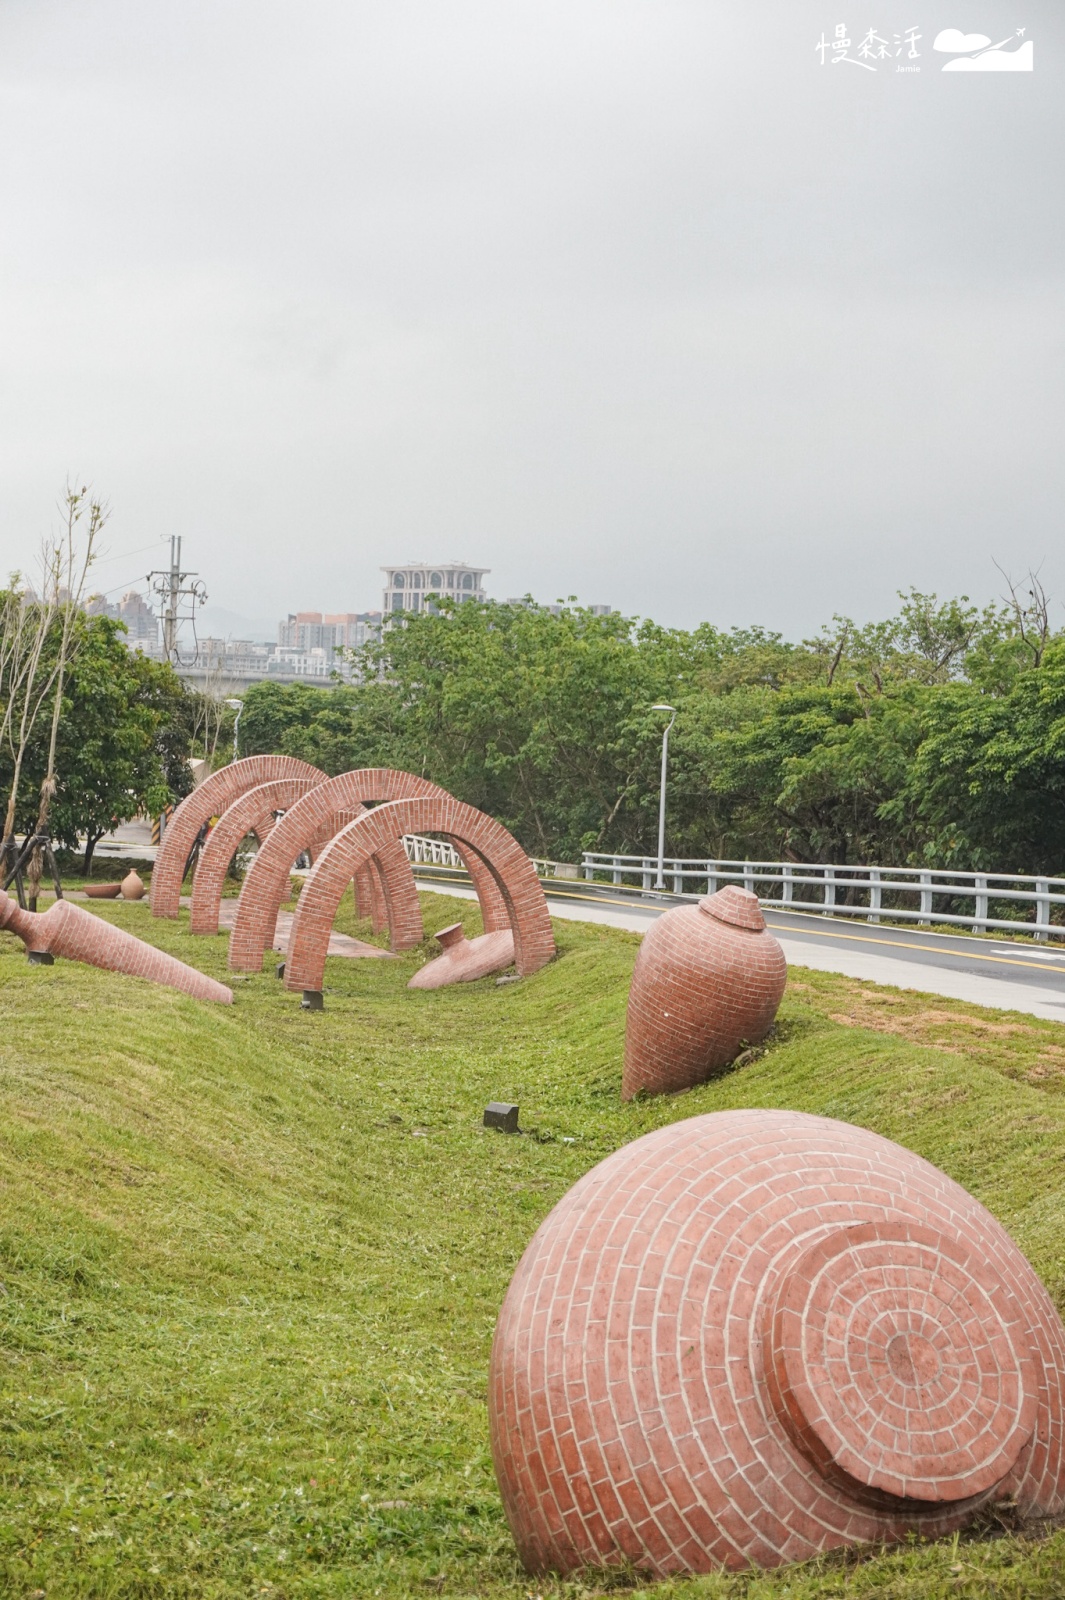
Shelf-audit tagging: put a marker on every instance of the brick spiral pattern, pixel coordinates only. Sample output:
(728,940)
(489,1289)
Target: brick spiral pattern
(212,798)
(707,979)
(758,1335)
(69,931)
(368,835)
(251,812)
(317,818)
(926,1396)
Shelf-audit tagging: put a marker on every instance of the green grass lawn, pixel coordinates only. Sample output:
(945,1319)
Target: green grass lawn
(251,1258)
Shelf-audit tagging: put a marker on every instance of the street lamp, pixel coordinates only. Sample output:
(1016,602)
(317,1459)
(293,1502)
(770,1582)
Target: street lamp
(661,882)
(238,707)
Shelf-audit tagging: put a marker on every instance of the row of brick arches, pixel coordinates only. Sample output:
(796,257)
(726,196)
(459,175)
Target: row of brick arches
(353,827)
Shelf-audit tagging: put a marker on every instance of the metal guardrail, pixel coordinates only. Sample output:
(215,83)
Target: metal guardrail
(874,893)
(423,852)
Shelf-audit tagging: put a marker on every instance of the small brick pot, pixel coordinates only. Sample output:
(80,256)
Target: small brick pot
(755,1336)
(707,979)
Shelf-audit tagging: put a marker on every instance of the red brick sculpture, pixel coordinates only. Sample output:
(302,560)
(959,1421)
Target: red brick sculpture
(212,798)
(369,896)
(464,960)
(757,1335)
(314,820)
(69,931)
(251,812)
(707,979)
(473,833)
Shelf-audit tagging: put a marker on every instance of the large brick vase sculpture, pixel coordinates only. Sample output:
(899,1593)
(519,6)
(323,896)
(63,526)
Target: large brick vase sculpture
(67,930)
(758,1335)
(708,978)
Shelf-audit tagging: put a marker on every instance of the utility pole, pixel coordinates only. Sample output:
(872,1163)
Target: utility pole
(660,881)
(172,588)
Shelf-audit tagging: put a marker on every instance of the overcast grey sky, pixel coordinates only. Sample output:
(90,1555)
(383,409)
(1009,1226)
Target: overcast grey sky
(635,301)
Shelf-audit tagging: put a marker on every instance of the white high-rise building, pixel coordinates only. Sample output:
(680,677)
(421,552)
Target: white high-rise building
(410,588)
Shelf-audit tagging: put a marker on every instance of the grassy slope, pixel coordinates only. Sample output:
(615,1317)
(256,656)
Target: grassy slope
(251,1259)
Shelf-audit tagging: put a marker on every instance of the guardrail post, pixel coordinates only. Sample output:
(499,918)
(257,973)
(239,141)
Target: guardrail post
(648,874)
(711,877)
(588,868)
(678,877)
(926,900)
(617,869)
(1042,909)
(787,885)
(980,926)
(875,893)
(748,877)
(829,896)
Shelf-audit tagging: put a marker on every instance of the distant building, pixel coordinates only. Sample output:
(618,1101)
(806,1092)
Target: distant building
(557,610)
(142,626)
(343,630)
(413,587)
(316,662)
(235,658)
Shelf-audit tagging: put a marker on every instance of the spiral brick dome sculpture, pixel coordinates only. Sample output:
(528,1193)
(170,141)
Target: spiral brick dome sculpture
(757,1335)
(708,978)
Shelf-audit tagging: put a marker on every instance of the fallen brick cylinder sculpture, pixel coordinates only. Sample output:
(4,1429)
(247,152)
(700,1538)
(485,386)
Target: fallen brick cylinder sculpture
(251,812)
(465,960)
(707,979)
(212,798)
(472,831)
(755,1336)
(311,823)
(69,931)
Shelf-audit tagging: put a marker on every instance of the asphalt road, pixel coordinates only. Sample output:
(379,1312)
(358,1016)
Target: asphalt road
(1013,975)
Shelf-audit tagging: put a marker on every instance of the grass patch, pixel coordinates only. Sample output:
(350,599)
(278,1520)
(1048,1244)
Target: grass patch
(251,1258)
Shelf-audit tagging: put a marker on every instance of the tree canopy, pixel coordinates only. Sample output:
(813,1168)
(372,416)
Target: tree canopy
(124,738)
(936,737)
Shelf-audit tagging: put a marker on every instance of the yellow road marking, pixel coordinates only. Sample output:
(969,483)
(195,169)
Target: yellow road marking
(836,933)
(935,949)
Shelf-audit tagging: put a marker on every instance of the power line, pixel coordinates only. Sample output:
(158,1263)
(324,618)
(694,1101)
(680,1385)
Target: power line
(106,561)
(173,588)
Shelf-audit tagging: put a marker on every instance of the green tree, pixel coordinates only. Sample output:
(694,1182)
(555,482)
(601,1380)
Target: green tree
(929,736)
(987,784)
(121,742)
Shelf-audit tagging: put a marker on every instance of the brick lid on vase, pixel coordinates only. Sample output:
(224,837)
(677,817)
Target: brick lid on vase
(738,907)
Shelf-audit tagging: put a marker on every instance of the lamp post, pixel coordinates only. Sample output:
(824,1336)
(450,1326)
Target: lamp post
(238,707)
(660,882)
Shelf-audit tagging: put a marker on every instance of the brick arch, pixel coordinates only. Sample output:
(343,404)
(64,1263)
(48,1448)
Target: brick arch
(510,867)
(315,819)
(369,897)
(212,798)
(251,812)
